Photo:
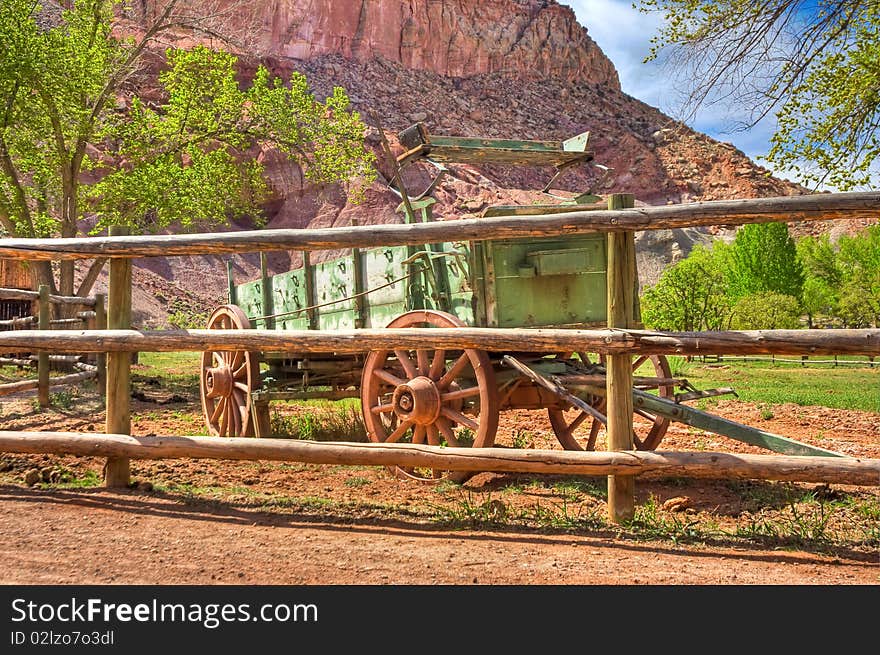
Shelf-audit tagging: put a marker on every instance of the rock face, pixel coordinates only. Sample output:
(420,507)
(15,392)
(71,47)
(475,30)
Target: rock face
(522,69)
(454,38)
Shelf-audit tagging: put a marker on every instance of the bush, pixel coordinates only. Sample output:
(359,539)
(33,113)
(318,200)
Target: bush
(767,310)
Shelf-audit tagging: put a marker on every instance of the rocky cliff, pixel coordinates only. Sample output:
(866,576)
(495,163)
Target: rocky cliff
(454,38)
(497,68)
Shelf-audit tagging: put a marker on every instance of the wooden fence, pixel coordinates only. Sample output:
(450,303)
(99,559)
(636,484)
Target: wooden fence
(618,342)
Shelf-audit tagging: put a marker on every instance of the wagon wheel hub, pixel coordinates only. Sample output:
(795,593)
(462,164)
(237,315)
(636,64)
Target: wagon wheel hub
(219,381)
(418,400)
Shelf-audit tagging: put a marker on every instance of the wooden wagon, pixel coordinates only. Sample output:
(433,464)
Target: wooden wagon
(432,395)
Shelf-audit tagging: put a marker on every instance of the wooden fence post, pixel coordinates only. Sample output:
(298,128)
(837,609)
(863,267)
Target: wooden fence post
(43,357)
(268,298)
(118,395)
(101,358)
(619,379)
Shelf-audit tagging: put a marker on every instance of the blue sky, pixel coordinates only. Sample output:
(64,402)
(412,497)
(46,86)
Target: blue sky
(624,35)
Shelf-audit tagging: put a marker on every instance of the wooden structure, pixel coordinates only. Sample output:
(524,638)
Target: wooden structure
(31,310)
(15,276)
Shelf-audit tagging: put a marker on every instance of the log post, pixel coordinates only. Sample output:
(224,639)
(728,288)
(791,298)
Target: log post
(268,299)
(43,357)
(101,324)
(231,296)
(619,380)
(118,395)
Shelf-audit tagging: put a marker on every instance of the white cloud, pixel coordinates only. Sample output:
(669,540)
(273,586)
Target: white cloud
(624,34)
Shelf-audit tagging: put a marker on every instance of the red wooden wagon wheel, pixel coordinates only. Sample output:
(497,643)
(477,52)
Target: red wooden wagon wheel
(227,379)
(430,396)
(578,430)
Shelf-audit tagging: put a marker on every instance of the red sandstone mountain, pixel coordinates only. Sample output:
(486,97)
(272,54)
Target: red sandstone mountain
(497,68)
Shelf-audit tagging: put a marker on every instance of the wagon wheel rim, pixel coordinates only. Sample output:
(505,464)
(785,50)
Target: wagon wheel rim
(578,430)
(227,378)
(430,396)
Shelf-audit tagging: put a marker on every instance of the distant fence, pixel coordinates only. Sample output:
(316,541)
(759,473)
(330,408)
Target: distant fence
(90,319)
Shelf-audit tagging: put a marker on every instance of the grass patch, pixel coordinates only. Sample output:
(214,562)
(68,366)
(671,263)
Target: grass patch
(334,422)
(765,382)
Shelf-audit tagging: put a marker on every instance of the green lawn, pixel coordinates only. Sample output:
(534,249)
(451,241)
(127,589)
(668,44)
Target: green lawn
(841,387)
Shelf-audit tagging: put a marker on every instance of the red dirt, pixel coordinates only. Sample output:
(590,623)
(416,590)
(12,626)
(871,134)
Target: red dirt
(272,523)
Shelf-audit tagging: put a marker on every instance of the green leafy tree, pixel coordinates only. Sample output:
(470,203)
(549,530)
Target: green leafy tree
(72,149)
(691,294)
(763,257)
(766,310)
(814,64)
(859,258)
(822,276)
(818,299)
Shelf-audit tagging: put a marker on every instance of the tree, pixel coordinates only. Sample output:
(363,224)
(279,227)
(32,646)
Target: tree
(822,276)
(766,310)
(815,64)
(691,294)
(763,257)
(859,258)
(72,148)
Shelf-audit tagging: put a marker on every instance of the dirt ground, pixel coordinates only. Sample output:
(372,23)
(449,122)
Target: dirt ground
(209,522)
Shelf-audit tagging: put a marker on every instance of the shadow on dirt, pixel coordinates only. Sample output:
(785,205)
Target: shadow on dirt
(174,506)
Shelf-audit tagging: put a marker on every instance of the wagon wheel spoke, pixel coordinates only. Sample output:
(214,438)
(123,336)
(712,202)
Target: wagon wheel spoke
(419,434)
(458,417)
(422,361)
(454,371)
(445,427)
(644,414)
(437,364)
(399,432)
(235,412)
(408,366)
(382,409)
(594,433)
(385,376)
(575,424)
(433,435)
(218,410)
(217,357)
(224,418)
(638,362)
(470,392)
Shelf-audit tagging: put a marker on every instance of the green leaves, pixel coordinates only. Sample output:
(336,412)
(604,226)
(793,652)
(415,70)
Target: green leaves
(764,281)
(191,160)
(814,64)
(691,294)
(763,257)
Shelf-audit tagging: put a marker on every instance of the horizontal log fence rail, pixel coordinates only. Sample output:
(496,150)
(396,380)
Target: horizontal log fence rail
(853,471)
(619,342)
(8,388)
(820,207)
(24,294)
(616,341)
